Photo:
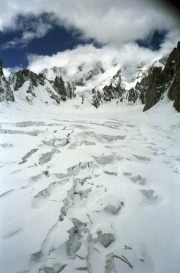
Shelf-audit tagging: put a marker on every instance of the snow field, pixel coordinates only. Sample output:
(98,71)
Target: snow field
(86,190)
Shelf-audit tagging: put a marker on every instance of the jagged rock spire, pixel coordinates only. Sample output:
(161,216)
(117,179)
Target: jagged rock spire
(1,70)
(6,93)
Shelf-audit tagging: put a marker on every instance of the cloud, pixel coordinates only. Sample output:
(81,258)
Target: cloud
(113,24)
(130,54)
(31,27)
(115,21)
(86,55)
(6,72)
(170,41)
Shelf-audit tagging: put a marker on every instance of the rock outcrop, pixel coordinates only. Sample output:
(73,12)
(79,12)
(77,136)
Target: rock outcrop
(160,80)
(174,91)
(132,95)
(56,89)
(109,92)
(6,94)
(155,87)
(70,89)
(58,85)
(20,77)
(96,98)
(151,83)
(150,88)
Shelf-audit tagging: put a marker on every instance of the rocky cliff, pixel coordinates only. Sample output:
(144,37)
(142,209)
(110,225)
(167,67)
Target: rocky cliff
(29,86)
(149,88)
(174,91)
(147,85)
(160,80)
(6,93)
(65,90)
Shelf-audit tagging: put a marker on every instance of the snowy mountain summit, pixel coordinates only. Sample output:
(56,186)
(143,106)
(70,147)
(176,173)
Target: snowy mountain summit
(89,179)
(98,83)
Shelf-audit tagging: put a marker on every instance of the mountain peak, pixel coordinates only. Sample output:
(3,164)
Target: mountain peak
(143,82)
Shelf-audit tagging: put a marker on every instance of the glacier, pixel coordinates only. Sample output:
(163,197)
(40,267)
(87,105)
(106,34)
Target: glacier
(86,189)
(88,181)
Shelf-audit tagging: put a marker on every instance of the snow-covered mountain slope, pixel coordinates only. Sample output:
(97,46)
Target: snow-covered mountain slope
(30,87)
(85,189)
(98,75)
(89,190)
(84,76)
(98,82)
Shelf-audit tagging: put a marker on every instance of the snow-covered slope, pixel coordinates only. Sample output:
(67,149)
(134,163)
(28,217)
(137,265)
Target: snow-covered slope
(85,190)
(97,82)
(142,83)
(98,75)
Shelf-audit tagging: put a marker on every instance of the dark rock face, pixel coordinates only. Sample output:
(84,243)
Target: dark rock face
(112,92)
(70,88)
(65,90)
(20,77)
(58,85)
(56,90)
(139,91)
(142,87)
(159,80)
(6,93)
(1,70)
(150,89)
(96,98)
(132,95)
(109,92)
(155,87)
(174,91)
(173,68)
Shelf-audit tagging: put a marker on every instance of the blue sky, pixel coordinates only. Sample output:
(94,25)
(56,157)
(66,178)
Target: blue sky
(14,50)
(57,39)
(46,28)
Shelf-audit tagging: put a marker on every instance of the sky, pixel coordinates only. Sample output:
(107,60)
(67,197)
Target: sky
(40,33)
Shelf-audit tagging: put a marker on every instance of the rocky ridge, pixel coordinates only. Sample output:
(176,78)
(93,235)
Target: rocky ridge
(31,83)
(6,93)
(150,87)
(149,84)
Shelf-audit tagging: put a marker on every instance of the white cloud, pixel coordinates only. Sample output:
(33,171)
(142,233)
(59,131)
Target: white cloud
(82,55)
(116,24)
(171,40)
(129,54)
(106,21)
(6,72)
(32,27)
